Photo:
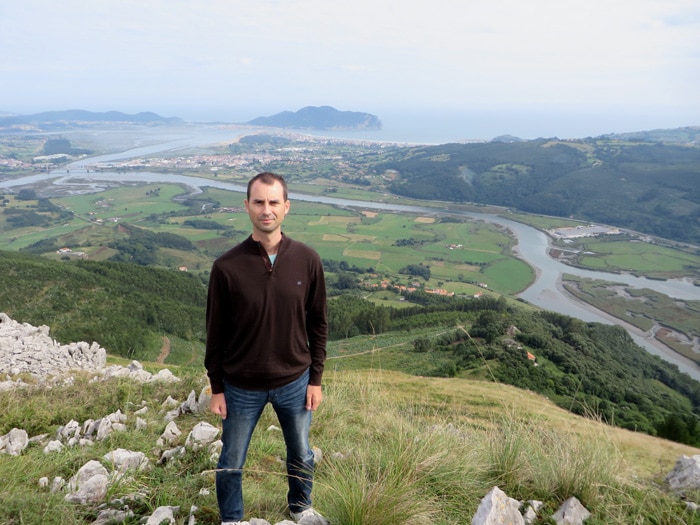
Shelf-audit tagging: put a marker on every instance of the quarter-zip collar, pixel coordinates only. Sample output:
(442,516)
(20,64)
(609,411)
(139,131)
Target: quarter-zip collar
(265,257)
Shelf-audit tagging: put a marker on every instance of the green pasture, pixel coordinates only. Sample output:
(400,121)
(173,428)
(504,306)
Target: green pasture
(196,235)
(388,298)
(458,253)
(640,257)
(18,238)
(14,202)
(368,239)
(225,198)
(125,201)
(508,275)
(15,238)
(307,208)
(358,194)
(310,188)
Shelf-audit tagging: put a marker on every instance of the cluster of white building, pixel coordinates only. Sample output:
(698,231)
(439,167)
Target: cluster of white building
(590,230)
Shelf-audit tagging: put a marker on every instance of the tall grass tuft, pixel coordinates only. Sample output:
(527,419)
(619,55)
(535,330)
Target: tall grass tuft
(529,458)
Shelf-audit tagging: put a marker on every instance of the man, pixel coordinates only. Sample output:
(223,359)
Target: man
(266,343)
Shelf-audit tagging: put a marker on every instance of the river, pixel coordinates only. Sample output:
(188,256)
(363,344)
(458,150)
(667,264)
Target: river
(532,245)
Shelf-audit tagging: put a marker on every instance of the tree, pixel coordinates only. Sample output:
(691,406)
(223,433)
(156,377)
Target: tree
(489,325)
(26,194)
(422,344)
(416,270)
(345,281)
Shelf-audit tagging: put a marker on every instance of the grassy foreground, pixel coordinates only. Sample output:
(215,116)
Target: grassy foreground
(397,450)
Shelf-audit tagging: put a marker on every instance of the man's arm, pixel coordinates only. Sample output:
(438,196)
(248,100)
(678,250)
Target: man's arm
(317,323)
(217,304)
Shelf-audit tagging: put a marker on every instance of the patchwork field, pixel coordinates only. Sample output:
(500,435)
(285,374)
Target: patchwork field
(459,254)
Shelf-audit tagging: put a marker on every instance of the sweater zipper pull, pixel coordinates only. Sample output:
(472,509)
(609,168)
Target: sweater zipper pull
(265,258)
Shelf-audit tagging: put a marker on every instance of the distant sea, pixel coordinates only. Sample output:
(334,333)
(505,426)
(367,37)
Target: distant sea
(441,127)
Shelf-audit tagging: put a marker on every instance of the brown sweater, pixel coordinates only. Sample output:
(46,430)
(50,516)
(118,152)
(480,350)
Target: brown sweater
(266,324)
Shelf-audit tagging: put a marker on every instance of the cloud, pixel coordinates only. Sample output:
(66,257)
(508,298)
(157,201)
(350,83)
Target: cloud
(501,53)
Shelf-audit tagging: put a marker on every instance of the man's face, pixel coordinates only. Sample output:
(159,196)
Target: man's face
(266,206)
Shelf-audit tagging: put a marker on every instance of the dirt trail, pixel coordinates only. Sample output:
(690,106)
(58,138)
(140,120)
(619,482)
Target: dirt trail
(164,351)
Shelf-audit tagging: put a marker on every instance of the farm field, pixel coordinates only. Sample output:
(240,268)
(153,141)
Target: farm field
(464,257)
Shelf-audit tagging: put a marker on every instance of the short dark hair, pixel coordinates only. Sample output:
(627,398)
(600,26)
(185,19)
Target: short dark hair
(267,177)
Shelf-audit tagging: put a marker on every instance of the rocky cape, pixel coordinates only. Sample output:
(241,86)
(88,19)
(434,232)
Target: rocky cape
(320,118)
(29,352)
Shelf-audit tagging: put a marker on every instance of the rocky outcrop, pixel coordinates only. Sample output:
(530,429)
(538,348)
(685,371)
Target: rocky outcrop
(685,478)
(91,483)
(29,355)
(25,349)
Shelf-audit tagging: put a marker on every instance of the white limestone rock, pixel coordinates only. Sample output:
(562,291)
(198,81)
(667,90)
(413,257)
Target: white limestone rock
(571,512)
(497,508)
(169,435)
(89,485)
(201,435)
(685,474)
(163,515)
(124,460)
(14,442)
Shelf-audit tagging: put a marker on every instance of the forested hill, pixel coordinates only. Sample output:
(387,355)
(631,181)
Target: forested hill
(589,368)
(637,182)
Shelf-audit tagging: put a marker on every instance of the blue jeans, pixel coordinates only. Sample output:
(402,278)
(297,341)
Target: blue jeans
(243,410)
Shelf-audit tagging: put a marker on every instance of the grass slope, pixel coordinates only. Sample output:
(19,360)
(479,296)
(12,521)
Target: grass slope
(398,450)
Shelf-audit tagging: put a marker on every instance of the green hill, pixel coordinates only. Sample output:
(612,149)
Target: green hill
(641,182)
(126,308)
(587,368)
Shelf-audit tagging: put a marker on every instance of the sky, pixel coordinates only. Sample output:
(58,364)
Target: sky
(617,65)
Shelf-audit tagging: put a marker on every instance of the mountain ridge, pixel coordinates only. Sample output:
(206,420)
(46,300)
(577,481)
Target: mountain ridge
(81,115)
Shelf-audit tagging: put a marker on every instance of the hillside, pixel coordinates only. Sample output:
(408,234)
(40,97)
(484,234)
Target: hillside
(396,450)
(126,308)
(320,118)
(587,368)
(640,182)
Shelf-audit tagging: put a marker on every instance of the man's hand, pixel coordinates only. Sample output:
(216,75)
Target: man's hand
(217,404)
(314,396)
